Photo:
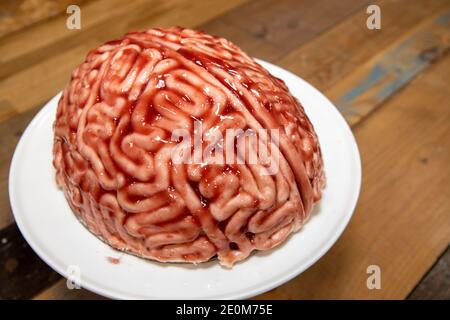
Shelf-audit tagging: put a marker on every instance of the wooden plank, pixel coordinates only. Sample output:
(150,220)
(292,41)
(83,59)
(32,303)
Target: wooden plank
(269,29)
(287,23)
(401,222)
(66,54)
(436,284)
(18,14)
(20,50)
(22,273)
(328,58)
(102,20)
(12,89)
(59,291)
(32,87)
(376,80)
(10,133)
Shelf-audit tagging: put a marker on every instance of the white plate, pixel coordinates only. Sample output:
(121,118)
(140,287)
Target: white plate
(49,226)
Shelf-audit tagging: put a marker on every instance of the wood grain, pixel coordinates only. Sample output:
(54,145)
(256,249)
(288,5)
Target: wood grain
(328,58)
(270,29)
(59,291)
(401,222)
(436,283)
(102,20)
(18,14)
(385,73)
(10,132)
(22,273)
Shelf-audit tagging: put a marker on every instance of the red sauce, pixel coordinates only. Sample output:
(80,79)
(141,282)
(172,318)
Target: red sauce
(113,260)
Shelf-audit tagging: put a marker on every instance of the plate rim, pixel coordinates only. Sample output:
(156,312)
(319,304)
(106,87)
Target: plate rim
(261,288)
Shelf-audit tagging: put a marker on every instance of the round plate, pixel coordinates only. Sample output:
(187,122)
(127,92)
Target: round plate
(55,234)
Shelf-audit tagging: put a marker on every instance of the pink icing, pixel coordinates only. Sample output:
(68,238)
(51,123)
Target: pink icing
(112,149)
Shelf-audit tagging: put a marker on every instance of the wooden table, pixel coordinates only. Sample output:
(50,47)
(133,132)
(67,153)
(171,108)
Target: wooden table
(392,85)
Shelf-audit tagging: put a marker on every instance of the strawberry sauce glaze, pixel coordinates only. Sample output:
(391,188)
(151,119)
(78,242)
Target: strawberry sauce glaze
(112,149)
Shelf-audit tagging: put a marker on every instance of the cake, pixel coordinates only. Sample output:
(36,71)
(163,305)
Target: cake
(176,146)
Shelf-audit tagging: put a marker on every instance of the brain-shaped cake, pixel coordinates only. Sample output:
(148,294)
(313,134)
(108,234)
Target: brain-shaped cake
(125,128)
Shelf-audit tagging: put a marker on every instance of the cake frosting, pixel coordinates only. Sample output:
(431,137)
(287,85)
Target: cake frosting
(136,103)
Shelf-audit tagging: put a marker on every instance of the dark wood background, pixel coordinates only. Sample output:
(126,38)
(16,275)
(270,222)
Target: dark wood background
(392,85)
